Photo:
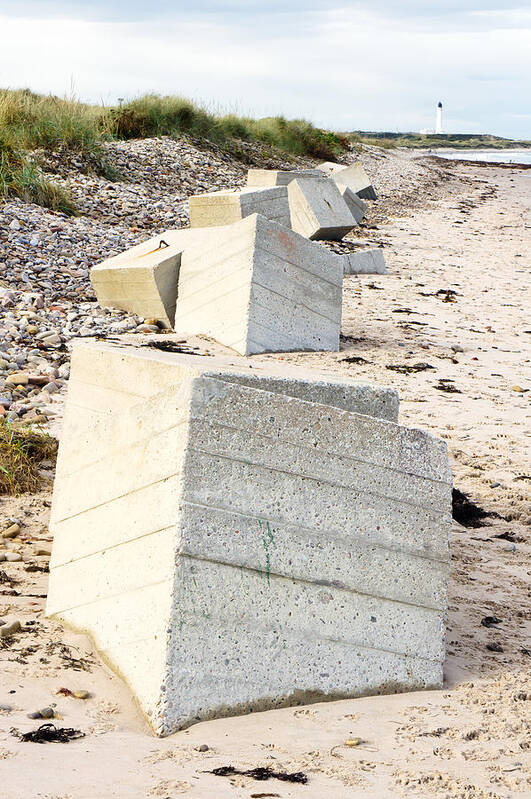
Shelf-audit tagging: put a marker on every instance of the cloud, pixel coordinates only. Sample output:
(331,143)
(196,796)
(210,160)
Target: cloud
(382,65)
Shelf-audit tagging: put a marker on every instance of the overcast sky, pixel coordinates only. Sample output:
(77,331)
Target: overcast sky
(375,65)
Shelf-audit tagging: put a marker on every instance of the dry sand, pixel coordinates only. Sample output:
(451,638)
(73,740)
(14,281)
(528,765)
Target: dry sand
(470,739)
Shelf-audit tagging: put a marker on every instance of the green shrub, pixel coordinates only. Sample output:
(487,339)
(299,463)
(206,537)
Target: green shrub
(20,177)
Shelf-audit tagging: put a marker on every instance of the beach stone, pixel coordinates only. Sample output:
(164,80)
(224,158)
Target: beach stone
(144,279)
(47,713)
(10,628)
(259,287)
(226,207)
(228,513)
(317,209)
(364,262)
(13,557)
(278,177)
(81,694)
(354,177)
(17,379)
(11,532)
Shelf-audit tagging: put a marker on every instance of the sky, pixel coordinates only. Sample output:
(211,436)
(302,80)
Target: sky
(358,65)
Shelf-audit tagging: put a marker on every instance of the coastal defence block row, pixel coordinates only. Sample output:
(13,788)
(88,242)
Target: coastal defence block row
(238,539)
(248,272)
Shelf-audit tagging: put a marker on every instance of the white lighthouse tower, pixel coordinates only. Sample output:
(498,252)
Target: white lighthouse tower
(438,122)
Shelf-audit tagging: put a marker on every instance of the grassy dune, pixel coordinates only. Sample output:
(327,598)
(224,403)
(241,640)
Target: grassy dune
(30,122)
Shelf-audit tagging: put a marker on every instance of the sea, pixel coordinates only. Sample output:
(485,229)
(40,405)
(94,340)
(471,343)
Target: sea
(493,156)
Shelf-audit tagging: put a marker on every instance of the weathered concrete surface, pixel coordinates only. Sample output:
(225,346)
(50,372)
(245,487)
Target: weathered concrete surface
(278,177)
(260,287)
(216,520)
(355,204)
(318,210)
(226,207)
(107,377)
(365,262)
(353,176)
(144,279)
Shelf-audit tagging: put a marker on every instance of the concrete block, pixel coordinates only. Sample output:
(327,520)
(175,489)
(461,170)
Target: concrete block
(143,280)
(353,176)
(278,177)
(219,519)
(260,287)
(318,210)
(365,262)
(226,207)
(355,204)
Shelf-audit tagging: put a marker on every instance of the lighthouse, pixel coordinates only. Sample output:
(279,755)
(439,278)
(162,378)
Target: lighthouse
(438,121)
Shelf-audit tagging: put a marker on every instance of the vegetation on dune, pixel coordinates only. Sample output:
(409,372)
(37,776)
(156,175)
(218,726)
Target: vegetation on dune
(457,141)
(21,177)
(30,122)
(22,452)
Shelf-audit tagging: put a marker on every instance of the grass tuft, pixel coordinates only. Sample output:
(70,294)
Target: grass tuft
(22,450)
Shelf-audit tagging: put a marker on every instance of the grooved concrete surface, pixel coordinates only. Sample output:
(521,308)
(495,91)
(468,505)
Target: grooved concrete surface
(276,177)
(260,287)
(226,207)
(233,546)
(353,176)
(318,210)
(144,279)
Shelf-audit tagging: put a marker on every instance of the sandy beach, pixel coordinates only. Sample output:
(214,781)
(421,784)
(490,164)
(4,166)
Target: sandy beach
(452,306)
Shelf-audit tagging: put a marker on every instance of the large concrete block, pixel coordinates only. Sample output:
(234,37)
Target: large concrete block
(230,547)
(226,207)
(318,210)
(353,176)
(365,262)
(278,177)
(260,287)
(355,204)
(143,280)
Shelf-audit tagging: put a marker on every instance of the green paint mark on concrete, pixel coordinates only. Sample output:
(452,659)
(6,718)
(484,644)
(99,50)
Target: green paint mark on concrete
(267,539)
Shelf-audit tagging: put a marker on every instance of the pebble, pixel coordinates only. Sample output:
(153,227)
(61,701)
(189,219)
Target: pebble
(202,748)
(81,694)
(6,708)
(11,532)
(47,713)
(9,628)
(13,557)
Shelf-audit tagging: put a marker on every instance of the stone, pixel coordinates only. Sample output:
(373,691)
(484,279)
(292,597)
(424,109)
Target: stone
(278,177)
(144,279)
(47,713)
(13,557)
(317,209)
(17,379)
(226,207)
(81,694)
(364,262)
(232,547)
(11,531)
(259,287)
(353,176)
(355,204)
(10,628)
